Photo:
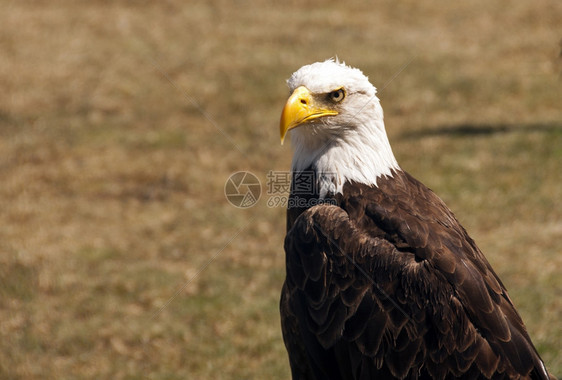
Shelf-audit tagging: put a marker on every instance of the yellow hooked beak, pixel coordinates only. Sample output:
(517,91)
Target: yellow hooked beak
(300,108)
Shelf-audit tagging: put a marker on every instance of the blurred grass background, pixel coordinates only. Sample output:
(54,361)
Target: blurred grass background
(120,122)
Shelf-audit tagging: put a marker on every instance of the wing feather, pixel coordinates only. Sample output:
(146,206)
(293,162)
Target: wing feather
(396,290)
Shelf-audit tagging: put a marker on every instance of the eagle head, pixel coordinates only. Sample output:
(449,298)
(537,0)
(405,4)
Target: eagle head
(328,98)
(336,123)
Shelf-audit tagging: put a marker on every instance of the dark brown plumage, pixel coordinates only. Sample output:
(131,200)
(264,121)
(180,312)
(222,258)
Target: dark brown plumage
(387,284)
(382,280)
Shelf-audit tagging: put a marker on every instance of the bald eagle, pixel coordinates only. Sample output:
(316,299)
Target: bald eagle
(382,280)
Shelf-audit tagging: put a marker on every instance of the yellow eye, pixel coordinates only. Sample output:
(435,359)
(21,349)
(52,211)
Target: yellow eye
(337,95)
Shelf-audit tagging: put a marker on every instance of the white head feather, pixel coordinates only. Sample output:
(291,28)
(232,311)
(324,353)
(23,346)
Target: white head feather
(351,146)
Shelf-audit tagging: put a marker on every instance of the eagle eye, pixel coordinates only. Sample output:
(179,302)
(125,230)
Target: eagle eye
(337,95)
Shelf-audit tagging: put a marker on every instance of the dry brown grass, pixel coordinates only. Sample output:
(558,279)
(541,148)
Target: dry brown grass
(121,121)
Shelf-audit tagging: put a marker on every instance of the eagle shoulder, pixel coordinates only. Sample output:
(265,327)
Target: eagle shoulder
(398,290)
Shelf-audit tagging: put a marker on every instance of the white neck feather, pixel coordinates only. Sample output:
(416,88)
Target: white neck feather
(362,156)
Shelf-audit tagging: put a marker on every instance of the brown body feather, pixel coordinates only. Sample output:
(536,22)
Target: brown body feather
(386,283)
